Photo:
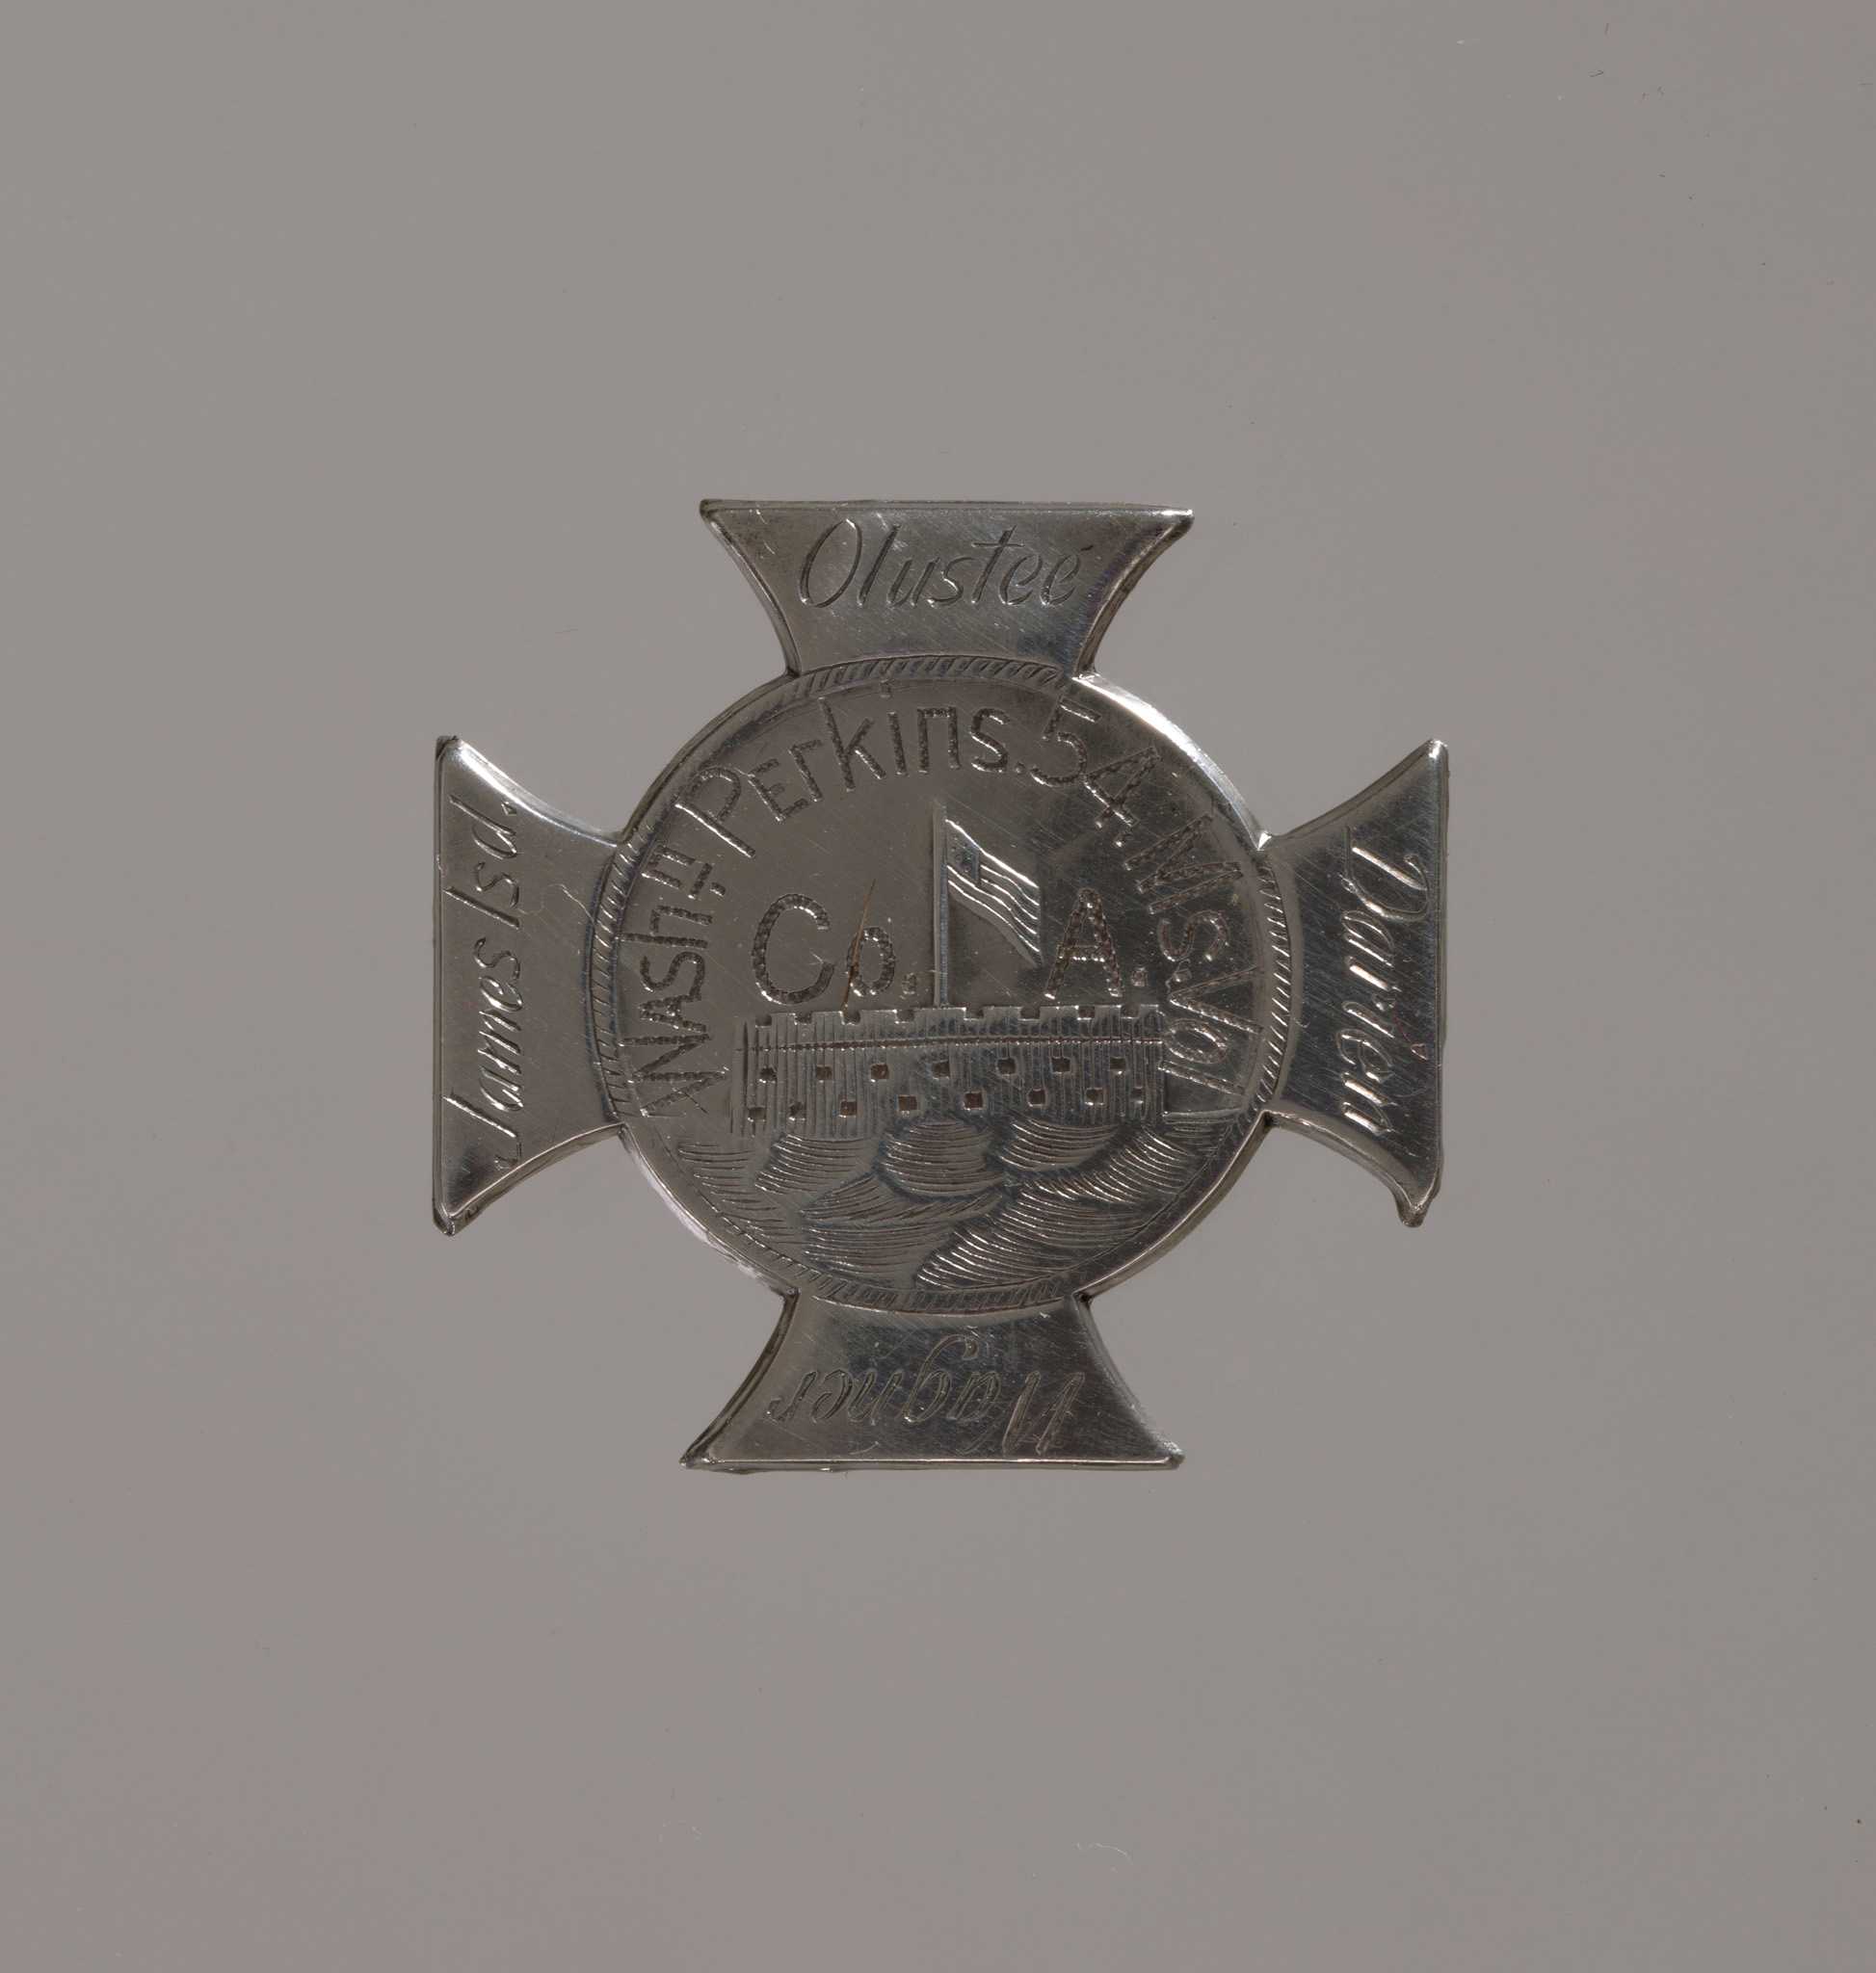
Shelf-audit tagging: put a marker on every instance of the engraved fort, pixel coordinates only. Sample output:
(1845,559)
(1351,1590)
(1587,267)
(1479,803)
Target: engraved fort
(850,1072)
(848,1076)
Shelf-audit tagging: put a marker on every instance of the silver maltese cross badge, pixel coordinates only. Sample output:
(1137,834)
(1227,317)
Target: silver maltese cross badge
(941,982)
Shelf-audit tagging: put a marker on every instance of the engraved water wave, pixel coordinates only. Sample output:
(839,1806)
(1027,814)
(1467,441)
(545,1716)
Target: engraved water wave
(947,1208)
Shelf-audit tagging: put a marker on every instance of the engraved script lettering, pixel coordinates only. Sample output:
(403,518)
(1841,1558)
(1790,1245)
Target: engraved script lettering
(498,1092)
(1386,894)
(845,565)
(948,1383)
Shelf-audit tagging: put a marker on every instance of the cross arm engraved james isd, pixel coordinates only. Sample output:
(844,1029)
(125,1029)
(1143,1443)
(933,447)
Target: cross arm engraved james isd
(941,982)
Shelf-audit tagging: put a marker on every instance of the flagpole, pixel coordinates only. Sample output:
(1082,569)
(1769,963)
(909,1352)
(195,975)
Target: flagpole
(941,911)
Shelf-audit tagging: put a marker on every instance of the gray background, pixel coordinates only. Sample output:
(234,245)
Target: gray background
(361,368)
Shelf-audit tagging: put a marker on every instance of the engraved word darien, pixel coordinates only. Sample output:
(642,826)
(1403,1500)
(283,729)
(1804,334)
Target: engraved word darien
(941,982)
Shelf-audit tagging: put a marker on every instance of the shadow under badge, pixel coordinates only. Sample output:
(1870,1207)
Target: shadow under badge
(941,982)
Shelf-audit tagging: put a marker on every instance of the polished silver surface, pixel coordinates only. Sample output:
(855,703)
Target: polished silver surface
(941,982)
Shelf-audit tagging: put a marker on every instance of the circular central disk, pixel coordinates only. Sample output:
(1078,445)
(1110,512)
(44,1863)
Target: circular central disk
(941,983)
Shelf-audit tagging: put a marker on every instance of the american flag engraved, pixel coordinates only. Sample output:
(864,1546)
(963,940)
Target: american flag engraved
(986,885)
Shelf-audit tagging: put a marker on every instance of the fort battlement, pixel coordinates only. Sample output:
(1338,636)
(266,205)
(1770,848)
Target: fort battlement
(830,1075)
